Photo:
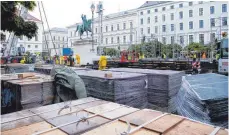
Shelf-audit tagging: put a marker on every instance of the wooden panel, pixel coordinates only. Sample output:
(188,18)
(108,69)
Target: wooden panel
(18,123)
(188,127)
(117,127)
(92,104)
(141,116)
(164,123)
(103,108)
(33,128)
(83,100)
(74,128)
(222,132)
(119,112)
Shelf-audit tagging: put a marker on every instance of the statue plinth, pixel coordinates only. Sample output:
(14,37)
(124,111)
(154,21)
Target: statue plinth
(82,42)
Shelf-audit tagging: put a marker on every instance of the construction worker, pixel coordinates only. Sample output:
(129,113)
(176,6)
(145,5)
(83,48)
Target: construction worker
(71,61)
(217,56)
(102,62)
(164,56)
(65,60)
(77,59)
(22,60)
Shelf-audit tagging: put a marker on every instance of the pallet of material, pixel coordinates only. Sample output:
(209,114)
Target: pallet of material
(18,68)
(124,88)
(163,86)
(204,98)
(91,116)
(27,93)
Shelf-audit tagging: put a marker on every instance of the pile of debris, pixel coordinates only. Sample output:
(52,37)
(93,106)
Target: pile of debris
(204,98)
(163,86)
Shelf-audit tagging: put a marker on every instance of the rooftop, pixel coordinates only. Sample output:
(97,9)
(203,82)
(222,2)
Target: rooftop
(152,3)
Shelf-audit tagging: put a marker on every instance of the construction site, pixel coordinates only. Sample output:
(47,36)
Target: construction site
(149,88)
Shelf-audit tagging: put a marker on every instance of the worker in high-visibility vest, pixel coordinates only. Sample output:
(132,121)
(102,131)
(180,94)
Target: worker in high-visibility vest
(77,59)
(164,56)
(65,60)
(61,60)
(22,60)
(102,62)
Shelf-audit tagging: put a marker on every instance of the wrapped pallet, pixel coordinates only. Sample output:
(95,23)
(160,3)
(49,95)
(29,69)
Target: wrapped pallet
(204,98)
(124,88)
(163,86)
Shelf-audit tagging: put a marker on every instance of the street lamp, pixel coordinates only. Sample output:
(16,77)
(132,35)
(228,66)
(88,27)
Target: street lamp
(92,31)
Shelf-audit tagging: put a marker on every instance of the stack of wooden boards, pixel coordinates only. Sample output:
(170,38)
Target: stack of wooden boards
(204,98)
(26,93)
(163,86)
(103,118)
(124,88)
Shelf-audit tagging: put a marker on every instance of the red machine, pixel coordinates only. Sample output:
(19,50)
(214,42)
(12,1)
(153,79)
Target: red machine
(133,57)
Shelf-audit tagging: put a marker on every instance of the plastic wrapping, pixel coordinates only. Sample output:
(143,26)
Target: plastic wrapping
(163,86)
(204,98)
(19,68)
(124,88)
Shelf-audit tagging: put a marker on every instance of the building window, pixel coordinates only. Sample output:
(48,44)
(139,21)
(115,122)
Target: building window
(142,31)
(156,29)
(117,26)
(112,40)
(36,38)
(180,5)
(101,29)
(201,38)
(96,30)
(163,28)
(141,21)
(106,40)
(124,39)
(172,7)
(190,3)
(29,46)
(155,19)
(181,15)
(163,18)
(164,40)
(191,25)
(172,27)
(131,38)
(224,21)
(63,38)
(141,13)
(155,10)
(148,11)
(172,39)
(200,2)
(224,8)
(148,20)
(181,26)
(118,40)
(131,25)
(212,21)
(201,24)
(36,46)
(148,30)
(212,10)
(54,38)
(201,11)
(106,28)
(172,16)
(190,39)
(163,9)
(181,40)
(190,13)
(59,38)
(21,37)
(212,35)
(124,26)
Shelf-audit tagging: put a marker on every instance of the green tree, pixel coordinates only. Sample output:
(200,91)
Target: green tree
(11,21)
(111,52)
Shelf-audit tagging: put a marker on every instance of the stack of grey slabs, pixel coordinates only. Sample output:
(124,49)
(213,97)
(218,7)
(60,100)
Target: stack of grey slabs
(204,98)
(163,86)
(19,68)
(124,88)
(44,69)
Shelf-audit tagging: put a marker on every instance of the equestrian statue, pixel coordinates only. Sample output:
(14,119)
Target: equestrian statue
(84,27)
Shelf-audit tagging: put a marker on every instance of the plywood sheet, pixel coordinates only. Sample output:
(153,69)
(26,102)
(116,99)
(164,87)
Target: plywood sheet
(92,104)
(83,100)
(188,127)
(8,124)
(117,127)
(103,108)
(140,117)
(33,128)
(81,127)
(164,123)
(119,112)
(222,132)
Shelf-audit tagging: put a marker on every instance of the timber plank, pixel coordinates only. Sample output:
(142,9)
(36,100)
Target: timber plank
(103,108)
(142,116)
(222,132)
(33,128)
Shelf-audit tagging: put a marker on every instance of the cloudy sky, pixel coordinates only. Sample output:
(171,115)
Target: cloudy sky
(62,13)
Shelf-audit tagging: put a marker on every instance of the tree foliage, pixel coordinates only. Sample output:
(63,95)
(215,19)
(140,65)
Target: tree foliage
(111,52)
(13,22)
(198,47)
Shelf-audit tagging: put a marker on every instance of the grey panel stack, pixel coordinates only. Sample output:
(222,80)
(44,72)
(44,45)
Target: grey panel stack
(123,88)
(19,68)
(204,98)
(163,86)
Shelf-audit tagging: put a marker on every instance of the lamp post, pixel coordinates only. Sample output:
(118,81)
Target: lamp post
(92,31)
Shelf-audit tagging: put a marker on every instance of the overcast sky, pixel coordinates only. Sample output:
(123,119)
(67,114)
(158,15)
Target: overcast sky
(62,13)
